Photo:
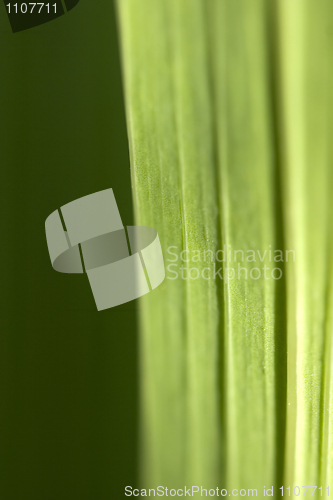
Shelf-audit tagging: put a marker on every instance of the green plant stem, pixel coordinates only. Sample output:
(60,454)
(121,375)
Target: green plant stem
(170,127)
(248,200)
(304,57)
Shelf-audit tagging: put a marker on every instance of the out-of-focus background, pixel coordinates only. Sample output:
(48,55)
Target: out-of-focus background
(68,374)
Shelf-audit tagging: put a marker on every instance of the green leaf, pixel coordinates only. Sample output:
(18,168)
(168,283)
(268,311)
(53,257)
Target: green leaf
(306,104)
(228,108)
(254,372)
(169,112)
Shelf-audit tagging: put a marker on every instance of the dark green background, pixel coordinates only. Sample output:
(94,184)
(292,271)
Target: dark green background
(68,374)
